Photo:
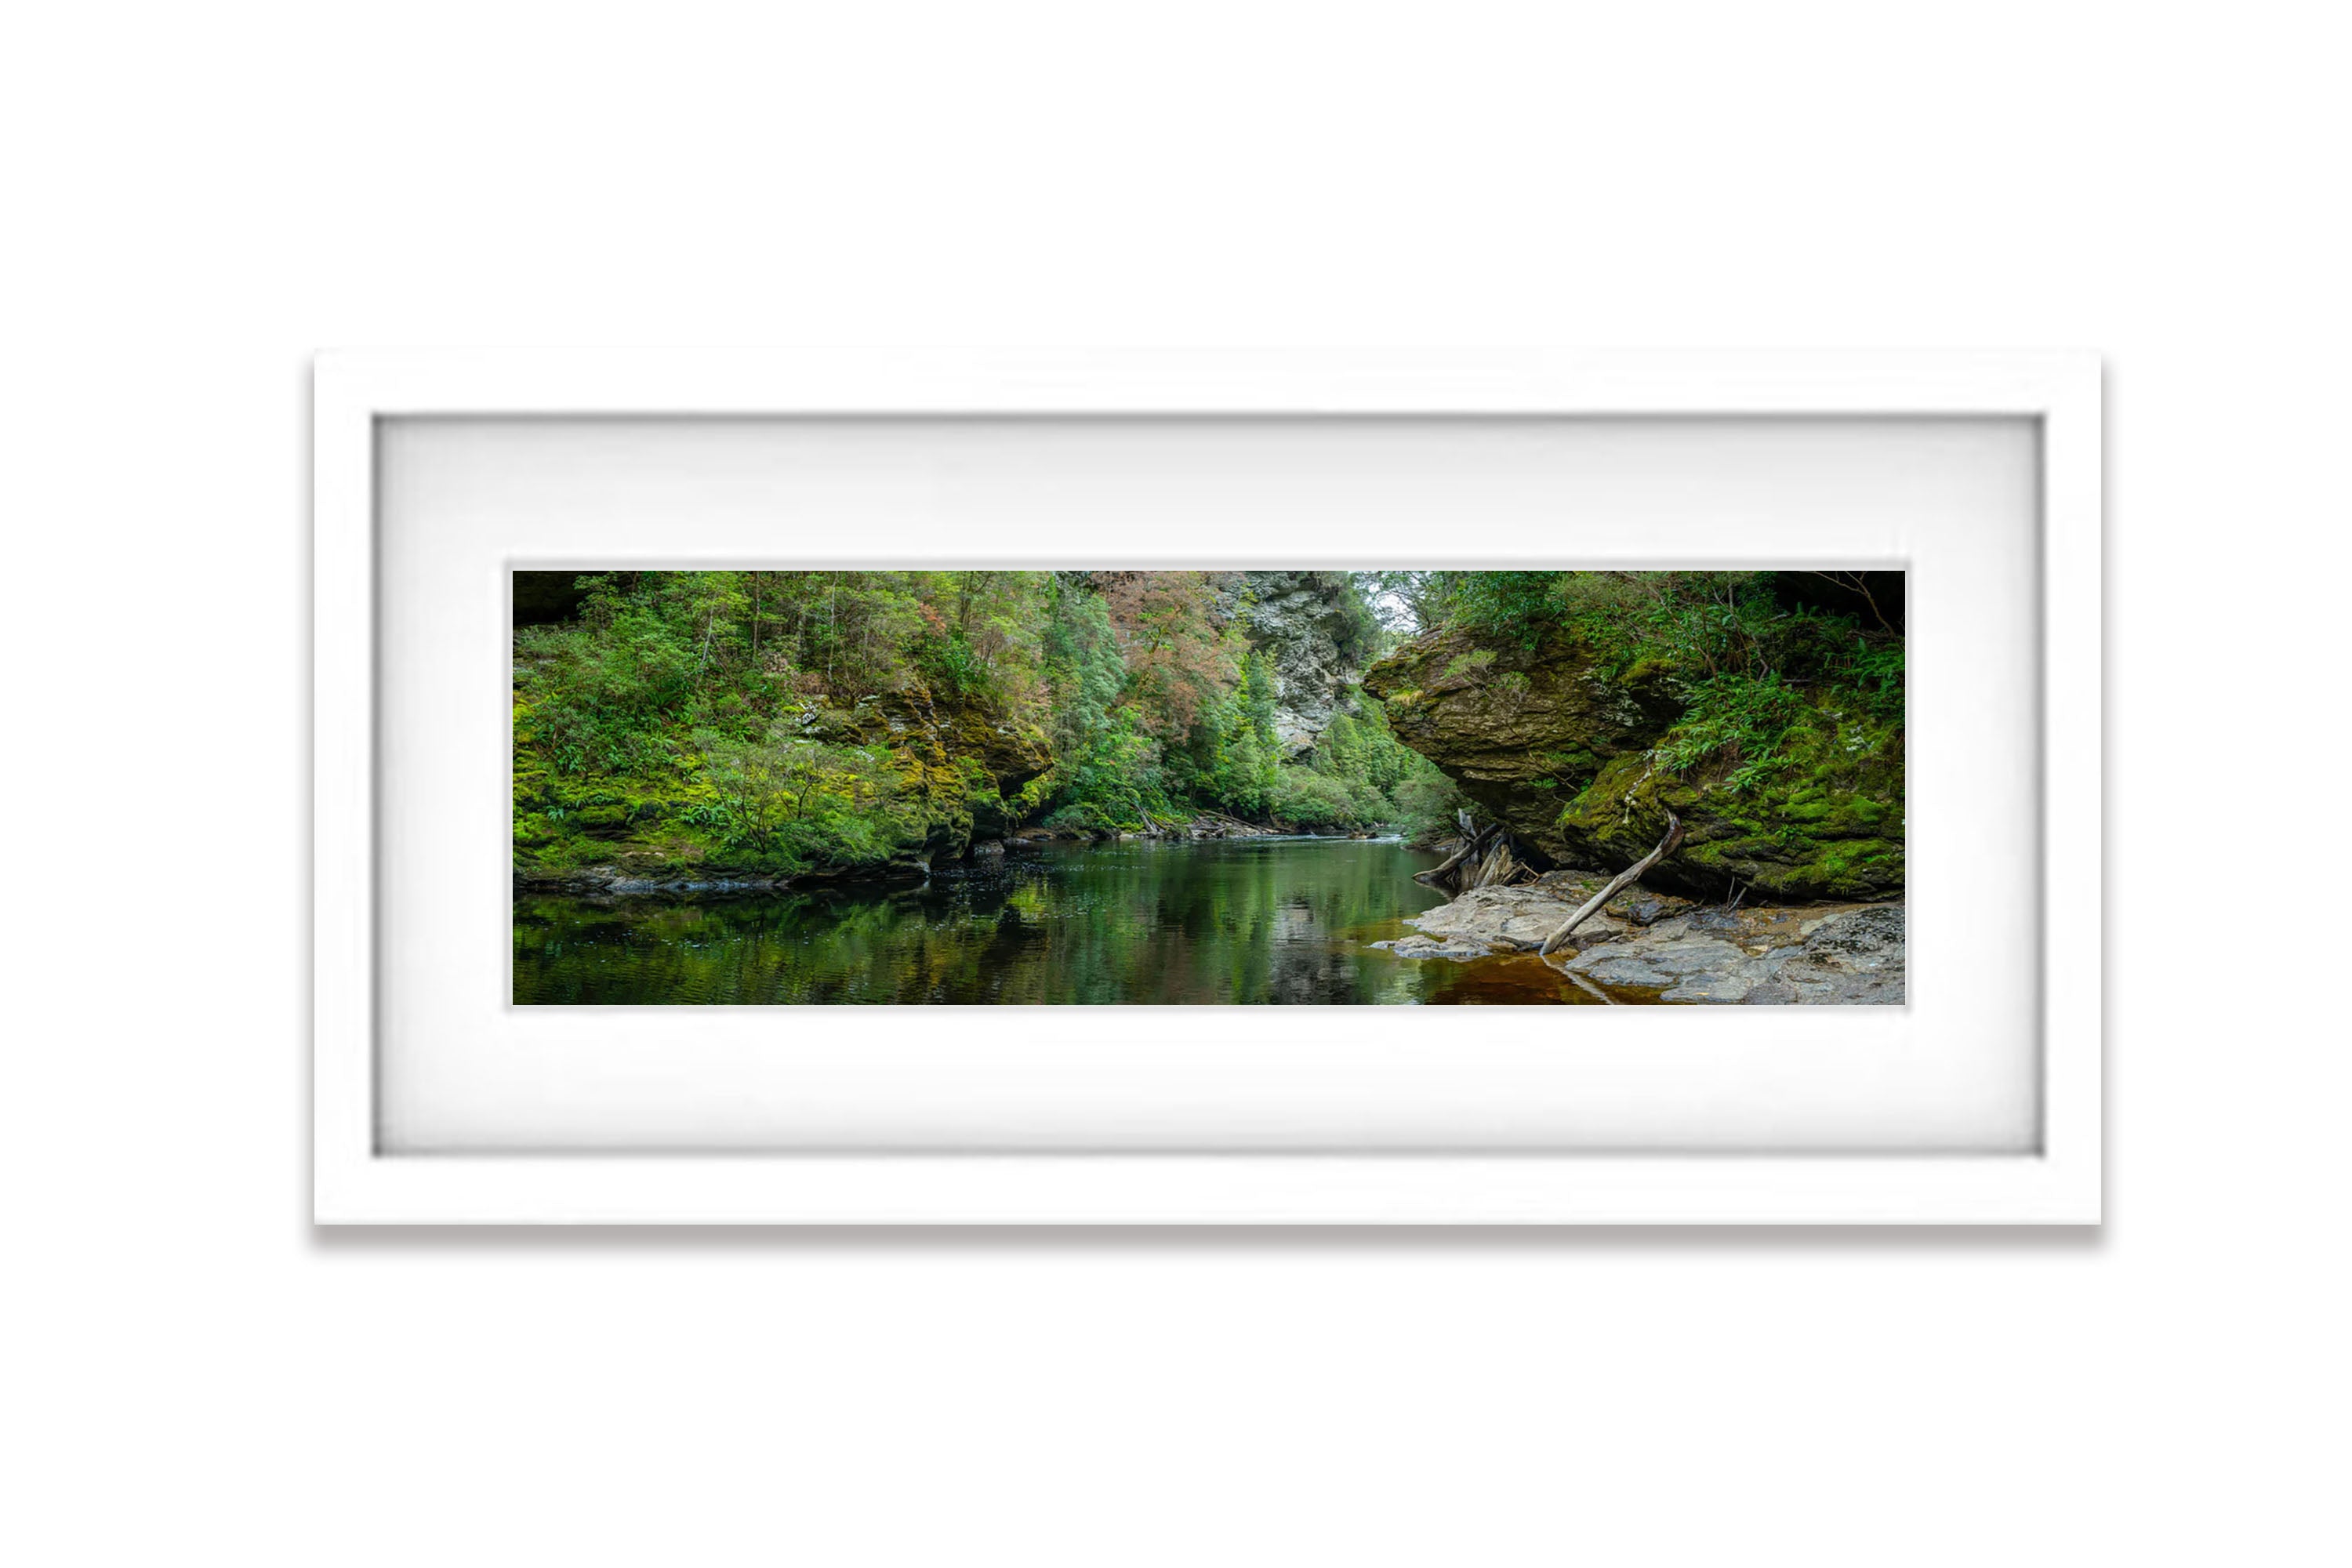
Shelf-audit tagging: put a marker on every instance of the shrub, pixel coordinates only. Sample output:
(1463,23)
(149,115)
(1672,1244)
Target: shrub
(1304,798)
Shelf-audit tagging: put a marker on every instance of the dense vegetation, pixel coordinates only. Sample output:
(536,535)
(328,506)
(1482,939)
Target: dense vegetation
(785,722)
(1764,709)
(1762,670)
(792,722)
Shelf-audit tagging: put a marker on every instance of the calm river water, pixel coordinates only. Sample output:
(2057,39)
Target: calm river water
(1217,921)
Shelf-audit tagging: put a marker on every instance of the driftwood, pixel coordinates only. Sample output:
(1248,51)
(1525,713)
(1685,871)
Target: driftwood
(1440,875)
(1499,867)
(1624,880)
(1482,857)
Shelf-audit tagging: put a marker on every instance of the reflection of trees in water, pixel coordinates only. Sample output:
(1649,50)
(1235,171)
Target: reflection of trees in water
(1138,923)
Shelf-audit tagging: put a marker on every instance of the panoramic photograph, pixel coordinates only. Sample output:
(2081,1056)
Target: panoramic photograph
(1150,787)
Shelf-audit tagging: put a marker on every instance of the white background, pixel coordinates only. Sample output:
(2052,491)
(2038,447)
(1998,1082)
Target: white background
(198,196)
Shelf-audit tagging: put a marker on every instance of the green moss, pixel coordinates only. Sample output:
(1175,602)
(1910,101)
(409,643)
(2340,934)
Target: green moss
(1775,734)
(1825,821)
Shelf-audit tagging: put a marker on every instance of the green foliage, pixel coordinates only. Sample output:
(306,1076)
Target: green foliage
(729,718)
(1302,797)
(1361,776)
(781,721)
(1253,755)
(1104,776)
(1358,636)
(1425,803)
(1736,719)
(1754,676)
(1161,720)
(785,803)
(1752,672)
(1512,607)
(948,660)
(1696,625)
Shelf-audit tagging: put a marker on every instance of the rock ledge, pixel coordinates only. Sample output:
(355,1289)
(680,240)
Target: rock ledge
(1658,948)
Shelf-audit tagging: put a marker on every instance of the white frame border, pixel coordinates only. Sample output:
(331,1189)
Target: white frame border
(353,1183)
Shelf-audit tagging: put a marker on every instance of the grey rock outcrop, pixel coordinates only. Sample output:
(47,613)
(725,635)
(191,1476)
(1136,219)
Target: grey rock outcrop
(1433,947)
(1803,954)
(1856,957)
(1506,919)
(1302,621)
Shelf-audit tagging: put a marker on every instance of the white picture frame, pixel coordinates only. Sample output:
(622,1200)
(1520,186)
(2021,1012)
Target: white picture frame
(359,1180)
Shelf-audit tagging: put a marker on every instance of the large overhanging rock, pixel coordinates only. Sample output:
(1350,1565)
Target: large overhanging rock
(1521,732)
(1545,743)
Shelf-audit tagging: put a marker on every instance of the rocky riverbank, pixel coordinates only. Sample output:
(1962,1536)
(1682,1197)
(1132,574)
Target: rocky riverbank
(1657,947)
(663,881)
(635,873)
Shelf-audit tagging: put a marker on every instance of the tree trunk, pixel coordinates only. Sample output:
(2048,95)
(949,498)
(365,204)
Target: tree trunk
(1624,880)
(1483,857)
(1439,875)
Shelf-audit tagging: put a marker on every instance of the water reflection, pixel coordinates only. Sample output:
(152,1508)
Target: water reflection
(1262,919)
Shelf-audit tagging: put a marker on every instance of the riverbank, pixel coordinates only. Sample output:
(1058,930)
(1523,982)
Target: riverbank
(1658,947)
(634,872)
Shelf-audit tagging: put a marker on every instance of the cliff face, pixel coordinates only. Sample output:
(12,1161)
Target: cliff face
(1304,623)
(1560,752)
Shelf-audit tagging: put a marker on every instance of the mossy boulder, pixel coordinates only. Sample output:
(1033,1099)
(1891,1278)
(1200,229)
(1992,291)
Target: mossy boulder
(958,769)
(963,762)
(1561,745)
(1828,823)
(1521,730)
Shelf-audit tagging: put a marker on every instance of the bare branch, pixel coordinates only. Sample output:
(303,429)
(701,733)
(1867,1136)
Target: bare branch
(1857,583)
(1624,879)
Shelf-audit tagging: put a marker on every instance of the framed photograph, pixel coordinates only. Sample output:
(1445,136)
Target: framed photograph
(1208,789)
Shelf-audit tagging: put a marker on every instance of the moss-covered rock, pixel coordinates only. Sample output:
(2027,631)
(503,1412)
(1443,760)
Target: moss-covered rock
(962,763)
(955,770)
(1564,751)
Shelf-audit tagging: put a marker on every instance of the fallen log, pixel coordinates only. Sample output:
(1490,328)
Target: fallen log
(1467,846)
(1624,880)
(1484,856)
(1438,873)
(1498,866)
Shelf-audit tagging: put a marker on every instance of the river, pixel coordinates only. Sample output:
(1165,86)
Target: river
(1216,921)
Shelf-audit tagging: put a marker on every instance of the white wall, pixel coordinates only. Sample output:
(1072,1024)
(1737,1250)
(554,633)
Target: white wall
(199,195)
